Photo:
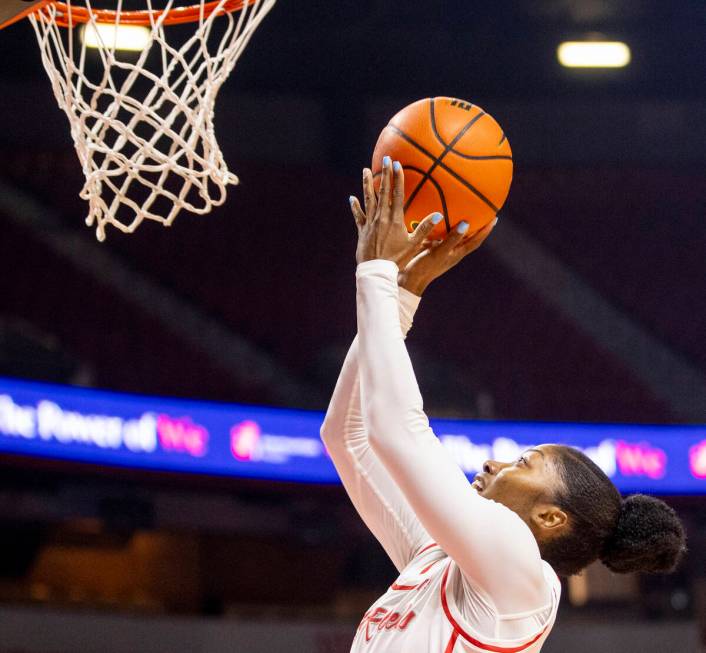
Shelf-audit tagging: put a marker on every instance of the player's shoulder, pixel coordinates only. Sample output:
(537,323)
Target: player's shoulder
(552,578)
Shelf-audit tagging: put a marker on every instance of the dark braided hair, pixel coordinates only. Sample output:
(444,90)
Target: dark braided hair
(640,533)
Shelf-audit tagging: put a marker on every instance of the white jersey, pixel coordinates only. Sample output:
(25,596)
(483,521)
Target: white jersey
(471,576)
(428,608)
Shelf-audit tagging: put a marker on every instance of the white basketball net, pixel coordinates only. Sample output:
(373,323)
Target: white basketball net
(142,123)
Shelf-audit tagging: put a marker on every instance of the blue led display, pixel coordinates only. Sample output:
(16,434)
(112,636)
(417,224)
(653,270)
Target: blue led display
(107,428)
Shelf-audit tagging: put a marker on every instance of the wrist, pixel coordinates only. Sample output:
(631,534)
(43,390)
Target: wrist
(415,285)
(378,265)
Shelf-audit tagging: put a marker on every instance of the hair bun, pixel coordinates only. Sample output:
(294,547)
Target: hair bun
(648,537)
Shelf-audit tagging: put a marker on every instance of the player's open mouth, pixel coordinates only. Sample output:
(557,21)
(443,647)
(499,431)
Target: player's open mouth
(478,484)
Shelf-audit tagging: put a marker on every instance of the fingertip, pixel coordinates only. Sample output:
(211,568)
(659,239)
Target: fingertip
(397,166)
(386,162)
(351,200)
(462,227)
(436,218)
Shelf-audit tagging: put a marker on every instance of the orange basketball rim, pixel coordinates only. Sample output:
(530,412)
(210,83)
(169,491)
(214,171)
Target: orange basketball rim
(146,155)
(68,15)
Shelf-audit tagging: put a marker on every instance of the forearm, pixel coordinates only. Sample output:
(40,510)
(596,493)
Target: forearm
(372,491)
(343,420)
(387,377)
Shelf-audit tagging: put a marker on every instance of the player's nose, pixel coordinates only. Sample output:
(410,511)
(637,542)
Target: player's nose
(491,467)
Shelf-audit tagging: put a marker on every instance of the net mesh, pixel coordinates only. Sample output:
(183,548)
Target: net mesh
(142,122)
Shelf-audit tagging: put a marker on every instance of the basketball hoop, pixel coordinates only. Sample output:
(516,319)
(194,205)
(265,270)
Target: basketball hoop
(143,125)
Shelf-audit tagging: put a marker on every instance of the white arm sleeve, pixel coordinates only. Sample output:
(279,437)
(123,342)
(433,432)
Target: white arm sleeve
(372,491)
(490,543)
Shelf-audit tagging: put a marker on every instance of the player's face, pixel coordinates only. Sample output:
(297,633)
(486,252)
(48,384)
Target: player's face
(523,484)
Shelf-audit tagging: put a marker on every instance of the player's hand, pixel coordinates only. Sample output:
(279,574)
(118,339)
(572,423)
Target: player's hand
(381,230)
(440,256)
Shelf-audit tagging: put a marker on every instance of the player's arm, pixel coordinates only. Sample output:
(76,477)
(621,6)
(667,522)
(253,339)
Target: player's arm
(370,487)
(376,497)
(493,547)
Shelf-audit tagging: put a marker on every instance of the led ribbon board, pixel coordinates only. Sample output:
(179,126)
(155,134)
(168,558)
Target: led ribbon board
(107,428)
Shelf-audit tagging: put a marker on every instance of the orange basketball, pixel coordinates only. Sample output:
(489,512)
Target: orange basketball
(456,161)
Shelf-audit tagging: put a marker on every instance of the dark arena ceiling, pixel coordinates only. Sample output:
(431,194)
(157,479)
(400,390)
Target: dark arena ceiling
(505,49)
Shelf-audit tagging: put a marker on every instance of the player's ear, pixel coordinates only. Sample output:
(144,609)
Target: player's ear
(550,517)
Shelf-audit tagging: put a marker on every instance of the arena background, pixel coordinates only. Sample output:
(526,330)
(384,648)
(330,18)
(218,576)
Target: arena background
(586,305)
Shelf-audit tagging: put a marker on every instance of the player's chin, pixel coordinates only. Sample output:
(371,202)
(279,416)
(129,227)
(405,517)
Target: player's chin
(485,492)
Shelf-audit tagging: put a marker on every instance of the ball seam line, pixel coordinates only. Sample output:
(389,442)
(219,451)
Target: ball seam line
(472,157)
(443,166)
(436,185)
(438,160)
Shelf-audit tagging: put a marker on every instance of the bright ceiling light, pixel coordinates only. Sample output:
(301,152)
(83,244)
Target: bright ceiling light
(124,37)
(593,54)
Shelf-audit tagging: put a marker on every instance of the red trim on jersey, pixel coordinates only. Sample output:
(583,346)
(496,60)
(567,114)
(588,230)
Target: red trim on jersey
(395,586)
(473,640)
(452,642)
(428,567)
(426,548)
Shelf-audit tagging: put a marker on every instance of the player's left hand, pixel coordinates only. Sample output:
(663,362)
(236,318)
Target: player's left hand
(381,230)
(439,256)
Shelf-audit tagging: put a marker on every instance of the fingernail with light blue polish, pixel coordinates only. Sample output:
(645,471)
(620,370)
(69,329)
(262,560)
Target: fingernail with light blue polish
(386,162)
(351,199)
(397,166)
(462,227)
(436,218)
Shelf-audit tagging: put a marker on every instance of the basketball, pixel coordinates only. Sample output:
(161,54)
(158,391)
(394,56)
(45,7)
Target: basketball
(456,161)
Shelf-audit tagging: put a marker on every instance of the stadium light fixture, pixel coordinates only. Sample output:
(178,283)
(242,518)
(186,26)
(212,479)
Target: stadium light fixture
(125,37)
(593,54)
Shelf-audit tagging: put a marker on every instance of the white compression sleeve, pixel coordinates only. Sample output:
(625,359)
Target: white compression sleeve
(372,491)
(491,545)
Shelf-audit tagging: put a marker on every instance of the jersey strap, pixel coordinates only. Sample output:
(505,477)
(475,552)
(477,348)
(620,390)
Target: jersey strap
(473,640)
(452,642)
